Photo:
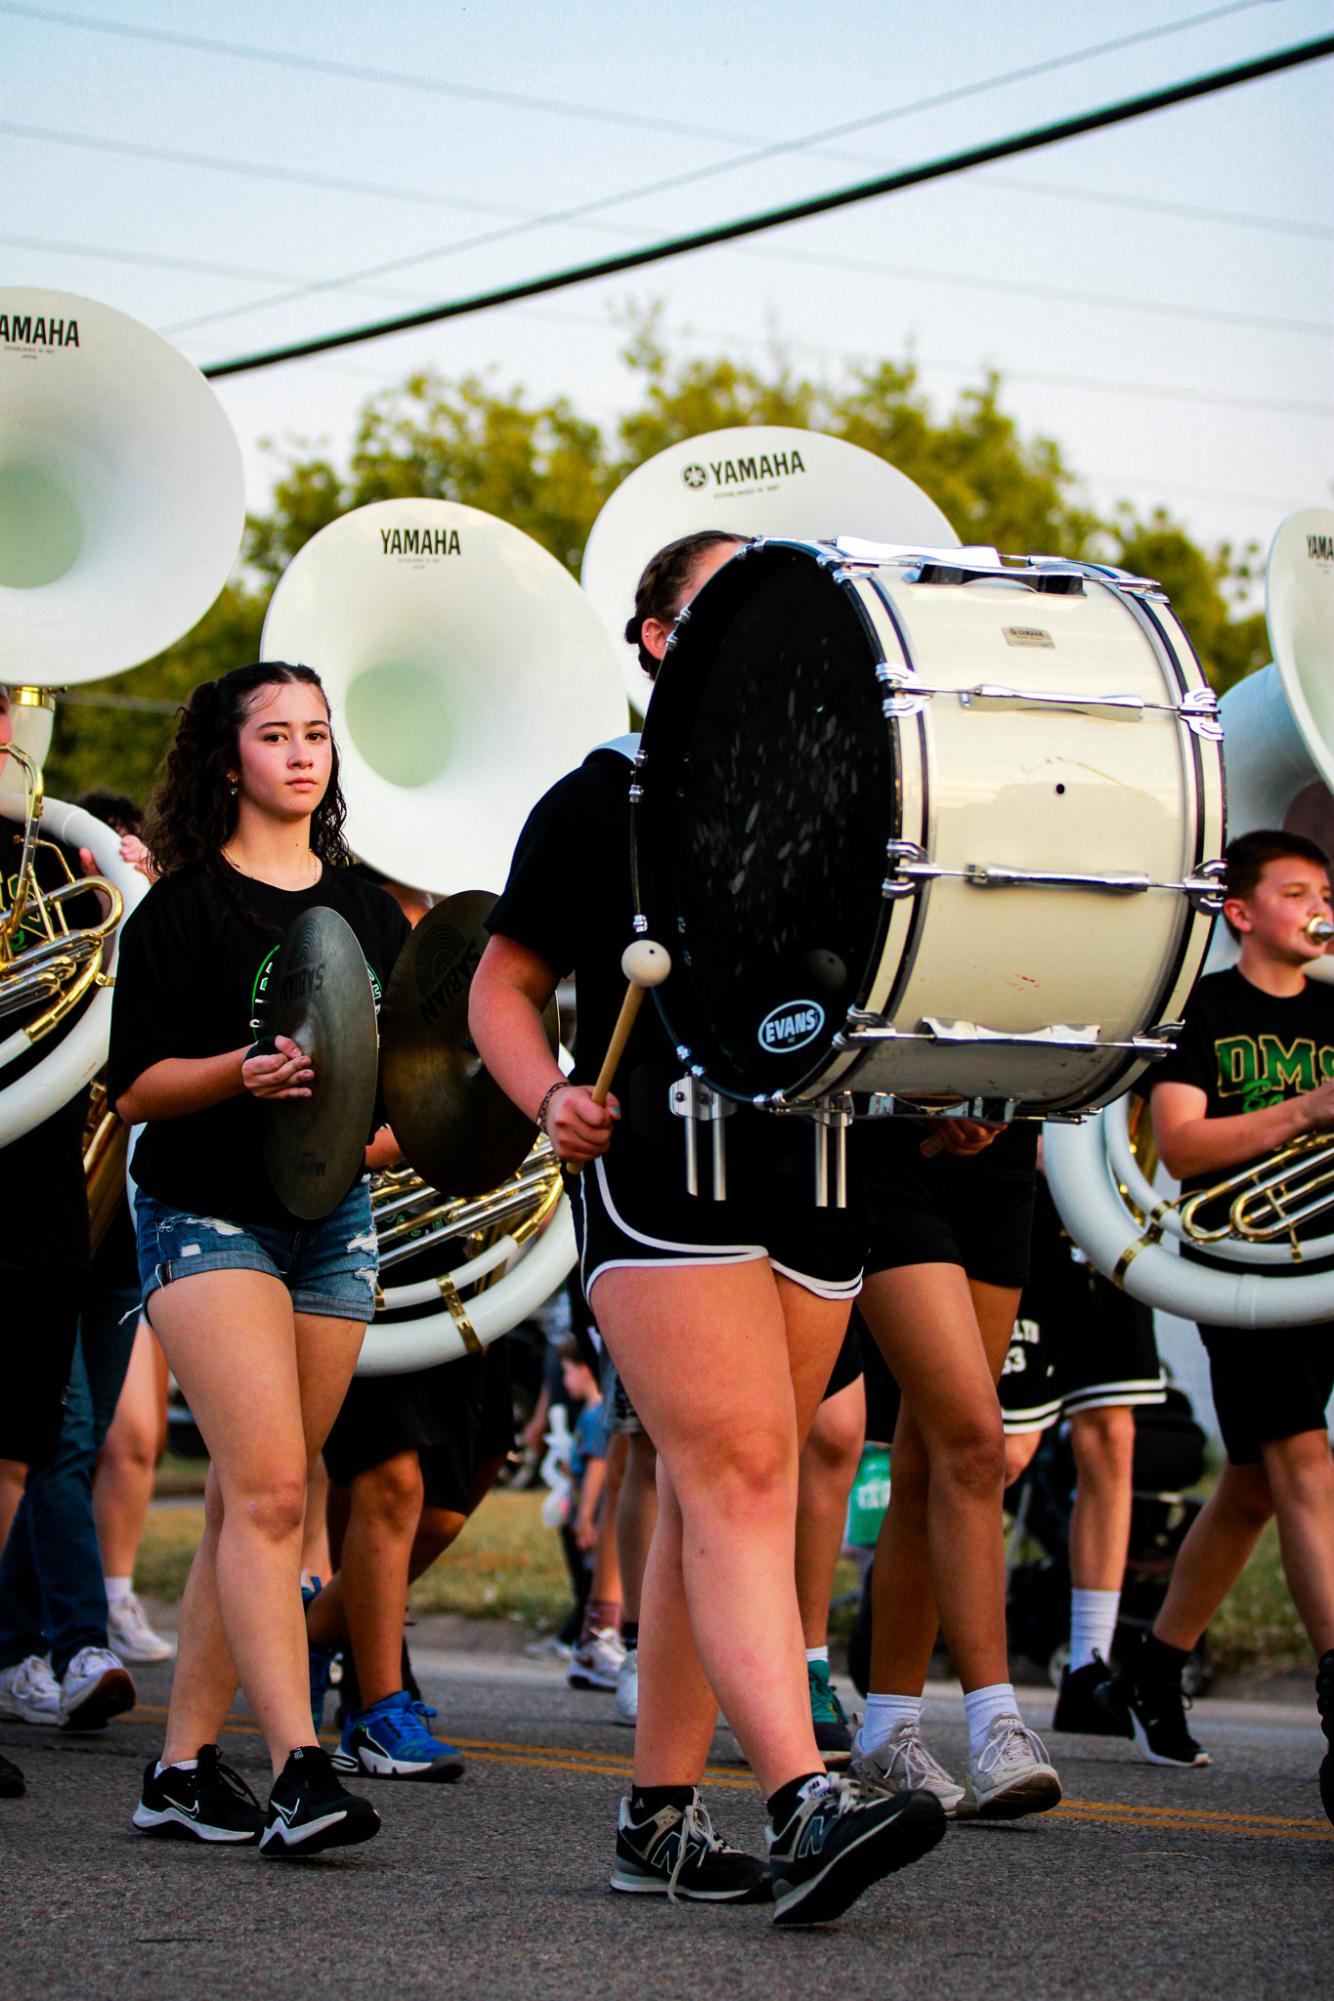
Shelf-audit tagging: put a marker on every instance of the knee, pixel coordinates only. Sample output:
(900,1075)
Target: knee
(1245,1494)
(391,1492)
(749,1474)
(971,1457)
(1300,1471)
(1104,1444)
(274,1511)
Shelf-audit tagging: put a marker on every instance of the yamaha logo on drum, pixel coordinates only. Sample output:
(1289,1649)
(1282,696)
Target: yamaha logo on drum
(421,542)
(765,468)
(1320,548)
(791,1026)
(34,330)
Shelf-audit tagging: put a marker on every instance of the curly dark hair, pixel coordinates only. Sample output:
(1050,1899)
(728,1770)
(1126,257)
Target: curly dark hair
(666,576)
(192,812)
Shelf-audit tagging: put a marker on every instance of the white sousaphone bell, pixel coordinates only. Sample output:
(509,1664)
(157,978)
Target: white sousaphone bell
(466,672)
(1279,766)
(121,509)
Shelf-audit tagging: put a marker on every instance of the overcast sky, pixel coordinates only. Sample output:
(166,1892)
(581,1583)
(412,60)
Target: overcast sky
(1157,297)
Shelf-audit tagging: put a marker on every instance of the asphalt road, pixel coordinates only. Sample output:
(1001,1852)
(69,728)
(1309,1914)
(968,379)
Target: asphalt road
(1144,1883)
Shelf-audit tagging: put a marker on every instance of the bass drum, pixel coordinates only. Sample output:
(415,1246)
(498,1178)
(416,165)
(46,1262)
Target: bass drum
(938,825)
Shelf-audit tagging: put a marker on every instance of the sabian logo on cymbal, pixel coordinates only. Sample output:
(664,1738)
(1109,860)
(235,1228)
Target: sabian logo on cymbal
(421,541)
(745,471)
(35,330)
(1320,548)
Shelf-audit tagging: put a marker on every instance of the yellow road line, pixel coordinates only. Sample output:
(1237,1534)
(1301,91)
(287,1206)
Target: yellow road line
(1107,1813)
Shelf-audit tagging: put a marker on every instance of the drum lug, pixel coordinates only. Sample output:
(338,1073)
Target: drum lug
(831,1118)
(691,1099)
(908,867)
(1207,888)
(640,925)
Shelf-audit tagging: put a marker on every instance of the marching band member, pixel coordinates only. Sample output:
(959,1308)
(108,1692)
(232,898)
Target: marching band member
(260,1314)
(724,1322)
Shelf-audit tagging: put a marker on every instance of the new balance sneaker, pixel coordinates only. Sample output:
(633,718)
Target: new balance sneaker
(131,1635)
(596,1662)
(901,1763)
(1010,1775)
(1152,1709)
(837,1843)
(390,1740)
(209,1803)
(833,1732)
(1077,1706)
(309,1810)
(11,1780)
(1324,1696)
(627,1689)
(93,1689)
(31,1691)
(677,1854)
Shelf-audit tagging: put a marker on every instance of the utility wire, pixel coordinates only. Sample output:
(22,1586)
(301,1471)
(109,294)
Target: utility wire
(975,156)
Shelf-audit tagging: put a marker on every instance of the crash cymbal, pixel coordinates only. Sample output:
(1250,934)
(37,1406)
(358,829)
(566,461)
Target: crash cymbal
(322,997)
(453,1122)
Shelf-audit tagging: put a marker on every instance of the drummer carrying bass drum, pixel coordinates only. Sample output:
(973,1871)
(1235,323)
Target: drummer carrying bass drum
(724,1321)
(260,1314)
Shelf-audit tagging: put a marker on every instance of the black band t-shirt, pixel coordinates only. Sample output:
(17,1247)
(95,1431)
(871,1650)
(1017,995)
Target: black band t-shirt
(194,978)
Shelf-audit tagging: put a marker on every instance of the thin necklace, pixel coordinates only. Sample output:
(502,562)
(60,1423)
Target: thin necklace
(250,875)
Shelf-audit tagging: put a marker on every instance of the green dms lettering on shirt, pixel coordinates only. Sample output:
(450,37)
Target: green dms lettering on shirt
(1262,1070)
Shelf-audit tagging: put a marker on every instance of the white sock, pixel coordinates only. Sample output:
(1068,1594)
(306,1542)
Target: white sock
(1092,1623)
(884,1713)
(817,1654)
(118,1588)
(982,1706)
(177,1765)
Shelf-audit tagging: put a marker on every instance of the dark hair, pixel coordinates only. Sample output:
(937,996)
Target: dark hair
(192,813)
(116,809)
(1250,854)
(665,577)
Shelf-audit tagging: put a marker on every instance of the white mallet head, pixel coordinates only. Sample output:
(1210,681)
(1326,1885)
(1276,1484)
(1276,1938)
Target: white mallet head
(646,964)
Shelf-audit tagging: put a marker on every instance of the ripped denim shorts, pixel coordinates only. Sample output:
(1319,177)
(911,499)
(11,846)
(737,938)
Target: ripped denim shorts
(329,1267)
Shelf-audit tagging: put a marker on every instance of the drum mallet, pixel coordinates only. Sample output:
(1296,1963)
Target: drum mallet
(645,965)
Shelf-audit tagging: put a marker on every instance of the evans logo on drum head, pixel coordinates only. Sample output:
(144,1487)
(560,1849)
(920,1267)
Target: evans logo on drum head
(791,1026)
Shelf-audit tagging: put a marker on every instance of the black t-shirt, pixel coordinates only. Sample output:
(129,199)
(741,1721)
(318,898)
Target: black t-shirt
(42,1199)
(196,964)
(1246,1049)
(570,900)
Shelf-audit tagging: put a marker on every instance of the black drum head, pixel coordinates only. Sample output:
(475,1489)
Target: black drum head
(768,797)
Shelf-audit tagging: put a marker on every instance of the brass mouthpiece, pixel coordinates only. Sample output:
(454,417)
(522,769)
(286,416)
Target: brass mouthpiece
(1320,930)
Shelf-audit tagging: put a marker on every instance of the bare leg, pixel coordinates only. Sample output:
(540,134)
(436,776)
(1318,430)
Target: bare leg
(1104,1448)
(377,1549)
(604,1590)
(13,1477)
(123,1487)
(1301,1480)
(828,1467)
(1214,1554)
(316,1559)
(635,1518)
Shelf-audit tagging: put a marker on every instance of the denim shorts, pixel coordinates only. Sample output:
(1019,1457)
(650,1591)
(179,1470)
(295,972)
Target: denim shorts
(329,1267)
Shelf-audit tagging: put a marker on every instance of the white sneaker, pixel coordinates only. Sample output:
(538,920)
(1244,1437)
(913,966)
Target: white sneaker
(31,1691)
(131,1635)
(94,1688)
(627,1689)
(595,1663)
(1010,1775)
(901,1763)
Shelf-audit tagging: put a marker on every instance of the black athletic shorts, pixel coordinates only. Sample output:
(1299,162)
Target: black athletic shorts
(481,1430)
(975,1212)
(1268,1383)
(385,1415)
(631,1209)
(848,1365)
(41,1318)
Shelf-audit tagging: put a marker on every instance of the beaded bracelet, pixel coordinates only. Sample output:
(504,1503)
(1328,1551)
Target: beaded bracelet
(545,1105)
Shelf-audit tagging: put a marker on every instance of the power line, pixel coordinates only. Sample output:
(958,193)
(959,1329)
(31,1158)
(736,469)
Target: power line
(432,198)
(1048,135)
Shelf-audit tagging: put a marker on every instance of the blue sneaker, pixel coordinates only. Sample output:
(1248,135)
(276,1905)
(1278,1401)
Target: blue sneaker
(391,1740)
(324,1662)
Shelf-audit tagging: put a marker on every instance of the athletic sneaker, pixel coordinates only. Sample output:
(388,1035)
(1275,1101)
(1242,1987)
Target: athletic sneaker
(627,1689)
(390,1740)
(1151,1709)
(1077,1706)
(93,1689)
(309,1810)
(833,1733)
(31,1691)
(11,1780)
(596,1662)
(210,1803)
(901,1763)
(837,1843)
(1010,1775)
(1324,1696)
(677,1854)
(131,1635)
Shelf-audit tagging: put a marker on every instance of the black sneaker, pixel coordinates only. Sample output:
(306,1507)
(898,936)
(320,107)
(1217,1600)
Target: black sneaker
(1077,1706)
(11,1780)
(211,1803)
(838,1842)
(1151,1709)
(677,1854)
(1324,1696)
(309,1810)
